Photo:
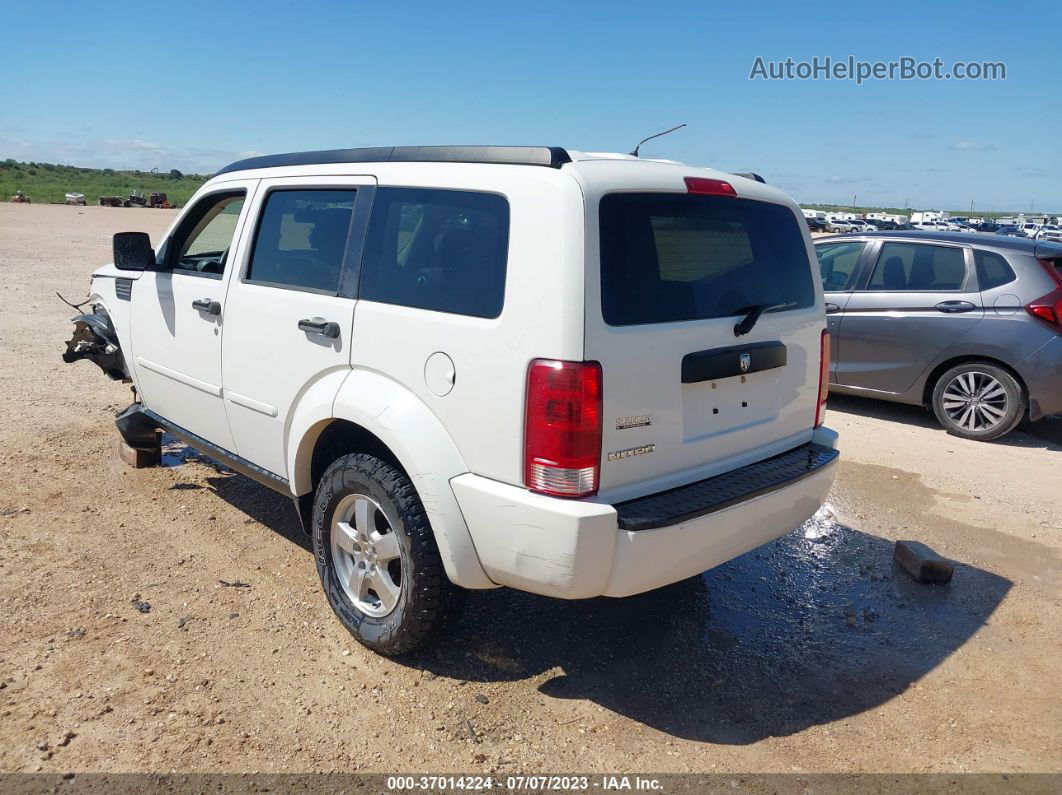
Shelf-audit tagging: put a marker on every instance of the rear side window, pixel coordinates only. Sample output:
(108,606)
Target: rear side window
(444,250)
(837,263)
(301,239)
(992,270)
(672,257)
(916,266)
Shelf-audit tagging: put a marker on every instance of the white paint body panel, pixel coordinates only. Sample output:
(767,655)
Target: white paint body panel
(253,384)
(575,550)
(176,348)
(269,362)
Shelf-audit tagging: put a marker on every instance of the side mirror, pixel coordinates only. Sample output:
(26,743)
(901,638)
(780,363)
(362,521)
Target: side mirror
(133,252)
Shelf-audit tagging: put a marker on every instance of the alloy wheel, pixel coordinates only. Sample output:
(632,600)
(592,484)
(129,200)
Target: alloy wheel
(975,401)
(367,555)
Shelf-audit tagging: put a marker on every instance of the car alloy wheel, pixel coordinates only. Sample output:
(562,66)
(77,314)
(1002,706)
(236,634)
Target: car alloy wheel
(975,401)
(367,555)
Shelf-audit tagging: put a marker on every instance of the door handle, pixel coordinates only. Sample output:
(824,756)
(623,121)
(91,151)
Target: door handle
(208,306)
(832,308)
(954,307)
(322,328)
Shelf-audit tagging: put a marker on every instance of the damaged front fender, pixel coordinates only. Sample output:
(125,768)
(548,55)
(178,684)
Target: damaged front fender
(95,339)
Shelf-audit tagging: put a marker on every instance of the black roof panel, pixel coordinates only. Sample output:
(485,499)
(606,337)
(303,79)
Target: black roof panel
(549,156)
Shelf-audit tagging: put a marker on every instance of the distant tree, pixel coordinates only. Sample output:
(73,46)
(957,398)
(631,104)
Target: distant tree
(108,172)
(31,172)
(175,174)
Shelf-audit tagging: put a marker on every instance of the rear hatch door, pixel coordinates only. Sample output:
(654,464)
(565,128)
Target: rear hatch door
(684,395)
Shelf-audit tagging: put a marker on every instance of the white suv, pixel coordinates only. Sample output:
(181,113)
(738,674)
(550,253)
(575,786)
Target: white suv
(574,374)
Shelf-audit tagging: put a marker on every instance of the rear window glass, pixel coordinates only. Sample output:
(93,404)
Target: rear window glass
(302,238)
(992,270)
(672,257)
(917,266)
(443,250)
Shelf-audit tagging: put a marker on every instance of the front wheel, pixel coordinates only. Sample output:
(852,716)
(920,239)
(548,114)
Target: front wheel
(978,401)
(377,557)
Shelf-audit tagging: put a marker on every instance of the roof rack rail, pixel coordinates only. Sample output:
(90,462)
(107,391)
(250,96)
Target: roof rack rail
(548,156)
(750,175)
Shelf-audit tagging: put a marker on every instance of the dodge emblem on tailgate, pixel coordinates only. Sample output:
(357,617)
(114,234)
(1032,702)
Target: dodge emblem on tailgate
(745,361)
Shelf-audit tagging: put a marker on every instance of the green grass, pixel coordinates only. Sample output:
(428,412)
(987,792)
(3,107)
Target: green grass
(48,183)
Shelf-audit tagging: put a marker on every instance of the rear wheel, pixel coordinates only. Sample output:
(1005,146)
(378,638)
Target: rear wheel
(978,400)
(377,557)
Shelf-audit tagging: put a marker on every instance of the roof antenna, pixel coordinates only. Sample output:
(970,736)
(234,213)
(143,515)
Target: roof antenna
(657,135)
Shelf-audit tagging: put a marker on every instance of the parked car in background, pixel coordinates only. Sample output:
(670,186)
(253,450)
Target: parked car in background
(969,326)
(474,367)
(1009,230)
(988,226)
(815,224)
(1050,232)
(839,225)
(1029,230)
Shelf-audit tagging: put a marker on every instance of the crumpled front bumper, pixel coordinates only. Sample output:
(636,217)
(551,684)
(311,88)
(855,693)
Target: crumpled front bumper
(96,340)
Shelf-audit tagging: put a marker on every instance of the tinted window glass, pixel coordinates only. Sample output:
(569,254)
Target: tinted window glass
(667,257)
(301,239)
(211,226)
(837,263)
(914,266)
(443,250)
(992,270)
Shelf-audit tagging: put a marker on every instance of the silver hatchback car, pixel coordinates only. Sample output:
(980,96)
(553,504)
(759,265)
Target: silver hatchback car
(970,325)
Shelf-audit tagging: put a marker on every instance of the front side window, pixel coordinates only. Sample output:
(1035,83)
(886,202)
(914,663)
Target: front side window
(302,239)
(203,241)
(673,257)
(917,266)
(443,250)
(837,263)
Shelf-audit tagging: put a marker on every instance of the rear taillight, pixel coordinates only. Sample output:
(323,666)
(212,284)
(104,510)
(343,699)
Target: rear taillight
(824,378)
(562,428)
(709,187)
(1048,308)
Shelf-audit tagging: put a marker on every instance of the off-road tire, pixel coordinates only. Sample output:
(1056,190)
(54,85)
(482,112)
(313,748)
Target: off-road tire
(1016,401)
(428,602)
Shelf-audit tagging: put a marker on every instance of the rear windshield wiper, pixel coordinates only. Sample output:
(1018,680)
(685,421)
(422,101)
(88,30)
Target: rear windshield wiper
(752,316)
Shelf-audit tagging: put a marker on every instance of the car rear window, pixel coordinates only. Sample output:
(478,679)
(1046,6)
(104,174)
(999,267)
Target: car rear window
(673,257)
(918,266)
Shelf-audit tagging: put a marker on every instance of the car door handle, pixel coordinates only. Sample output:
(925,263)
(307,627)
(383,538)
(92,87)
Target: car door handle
(954,307)
(208,306)
(832,308)
(322,328)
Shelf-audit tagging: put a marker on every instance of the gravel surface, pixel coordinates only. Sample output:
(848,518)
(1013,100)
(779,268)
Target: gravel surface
(171,618)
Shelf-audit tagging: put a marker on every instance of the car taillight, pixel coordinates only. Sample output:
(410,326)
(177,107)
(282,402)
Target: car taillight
(1048,308)
(824,379)
(562,428)
(710,187)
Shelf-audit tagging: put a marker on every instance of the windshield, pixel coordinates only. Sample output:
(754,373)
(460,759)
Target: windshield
(672,257)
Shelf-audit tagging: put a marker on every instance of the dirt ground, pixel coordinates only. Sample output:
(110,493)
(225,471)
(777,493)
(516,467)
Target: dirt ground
(811,654)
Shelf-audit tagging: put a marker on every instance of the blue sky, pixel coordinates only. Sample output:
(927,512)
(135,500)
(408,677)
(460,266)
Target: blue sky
(194,85)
